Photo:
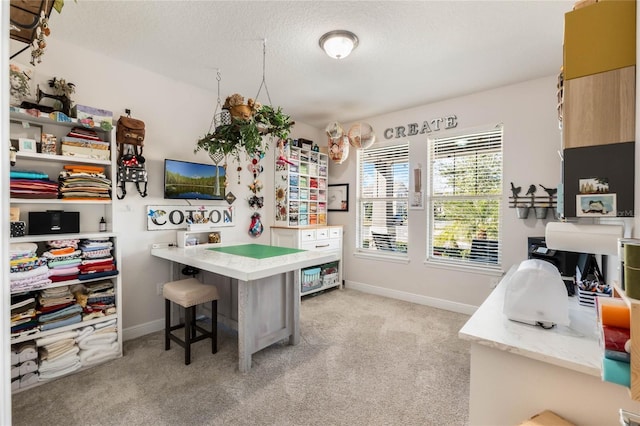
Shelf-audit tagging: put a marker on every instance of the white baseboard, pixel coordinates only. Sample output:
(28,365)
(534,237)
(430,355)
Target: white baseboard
(414,298)
(142,329)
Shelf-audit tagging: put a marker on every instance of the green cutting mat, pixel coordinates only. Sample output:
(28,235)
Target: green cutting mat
(256,251)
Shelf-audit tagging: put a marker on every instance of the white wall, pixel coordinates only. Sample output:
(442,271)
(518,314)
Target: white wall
(176,115)
(531,142)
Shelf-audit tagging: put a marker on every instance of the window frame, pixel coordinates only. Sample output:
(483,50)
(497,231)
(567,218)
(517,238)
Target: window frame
(361,201)
(431,201)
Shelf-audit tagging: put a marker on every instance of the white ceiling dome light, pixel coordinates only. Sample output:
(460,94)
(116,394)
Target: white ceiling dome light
(338,44)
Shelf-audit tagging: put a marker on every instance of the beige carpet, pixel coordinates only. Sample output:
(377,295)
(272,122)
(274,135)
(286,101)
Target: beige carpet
(362,360)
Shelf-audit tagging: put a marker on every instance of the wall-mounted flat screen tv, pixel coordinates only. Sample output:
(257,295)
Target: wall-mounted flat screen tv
(193,181)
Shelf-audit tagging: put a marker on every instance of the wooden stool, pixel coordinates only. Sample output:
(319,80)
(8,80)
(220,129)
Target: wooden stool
(189,293)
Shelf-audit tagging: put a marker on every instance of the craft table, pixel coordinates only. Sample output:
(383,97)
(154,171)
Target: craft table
(518,370)
(258,284)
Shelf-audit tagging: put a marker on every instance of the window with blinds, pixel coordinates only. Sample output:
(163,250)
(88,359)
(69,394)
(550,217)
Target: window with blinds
(465,194)
(383,199)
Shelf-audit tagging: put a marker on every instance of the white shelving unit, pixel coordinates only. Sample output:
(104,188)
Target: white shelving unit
(90,213)
(301,182)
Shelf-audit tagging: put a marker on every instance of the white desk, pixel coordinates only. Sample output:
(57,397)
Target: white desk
(268,292)
(518,370)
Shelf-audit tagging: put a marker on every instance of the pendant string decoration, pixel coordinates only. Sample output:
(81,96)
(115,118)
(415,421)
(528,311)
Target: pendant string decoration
(39,44)
(219,155)
(217,152)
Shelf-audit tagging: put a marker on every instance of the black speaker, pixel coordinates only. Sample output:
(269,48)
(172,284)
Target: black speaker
(54,222)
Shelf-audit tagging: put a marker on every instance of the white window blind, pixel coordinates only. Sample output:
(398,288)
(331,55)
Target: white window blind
(383,199)
(465,197)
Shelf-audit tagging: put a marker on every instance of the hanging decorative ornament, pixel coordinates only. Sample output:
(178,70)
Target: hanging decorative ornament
(334,130)
(229,197)
(361,136)
(339,149)
(38,44)
(256,228)
(282,158)
(217,158)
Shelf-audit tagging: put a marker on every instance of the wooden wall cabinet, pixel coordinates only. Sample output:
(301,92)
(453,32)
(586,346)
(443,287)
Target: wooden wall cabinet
(600,109)
(599,37)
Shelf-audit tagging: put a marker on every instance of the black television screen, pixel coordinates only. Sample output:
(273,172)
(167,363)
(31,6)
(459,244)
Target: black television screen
(193,181)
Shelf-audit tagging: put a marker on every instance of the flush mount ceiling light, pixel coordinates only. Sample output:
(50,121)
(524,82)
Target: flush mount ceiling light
(339,43)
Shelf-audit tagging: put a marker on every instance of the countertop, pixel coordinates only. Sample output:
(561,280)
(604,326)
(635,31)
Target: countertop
(241,267)
(574,347)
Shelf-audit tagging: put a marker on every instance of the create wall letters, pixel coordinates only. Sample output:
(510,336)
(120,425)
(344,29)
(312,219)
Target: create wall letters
(428,126)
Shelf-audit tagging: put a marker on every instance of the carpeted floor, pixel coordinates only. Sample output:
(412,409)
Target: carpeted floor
(362,360)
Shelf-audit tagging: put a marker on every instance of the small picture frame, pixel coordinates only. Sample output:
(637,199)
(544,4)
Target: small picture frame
(338,197)
(594,186)
(596,205)
(26,145)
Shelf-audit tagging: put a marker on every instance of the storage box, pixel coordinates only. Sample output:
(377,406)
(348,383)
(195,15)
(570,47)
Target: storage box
(18,229)
(588,298)
(599,37)
(96,114)
(310,280)
(85,151)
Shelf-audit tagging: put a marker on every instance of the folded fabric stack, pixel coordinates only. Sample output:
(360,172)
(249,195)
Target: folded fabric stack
(58,308)
(58,355)
(98,343)
(24,365)
(97,299)
(31,184)
(83,182)
(85,143)
(23,313)
(28,271)
(63,259)
(97,260)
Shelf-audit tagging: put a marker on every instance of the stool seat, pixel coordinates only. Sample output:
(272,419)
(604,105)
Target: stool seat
(189,292)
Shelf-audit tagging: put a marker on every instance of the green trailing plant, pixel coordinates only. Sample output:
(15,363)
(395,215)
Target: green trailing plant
(247,134)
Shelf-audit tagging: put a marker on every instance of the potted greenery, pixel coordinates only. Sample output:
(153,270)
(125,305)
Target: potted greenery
(249,122)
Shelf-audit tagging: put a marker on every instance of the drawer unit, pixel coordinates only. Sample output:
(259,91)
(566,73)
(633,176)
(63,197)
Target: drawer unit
(322,245)
(335,232)
(308,235)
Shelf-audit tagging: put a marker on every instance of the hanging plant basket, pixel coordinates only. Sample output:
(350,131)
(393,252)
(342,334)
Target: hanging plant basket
(222,118)
(235,133)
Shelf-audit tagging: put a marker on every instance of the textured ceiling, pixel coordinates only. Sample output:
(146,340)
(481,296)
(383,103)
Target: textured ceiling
(410,53)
